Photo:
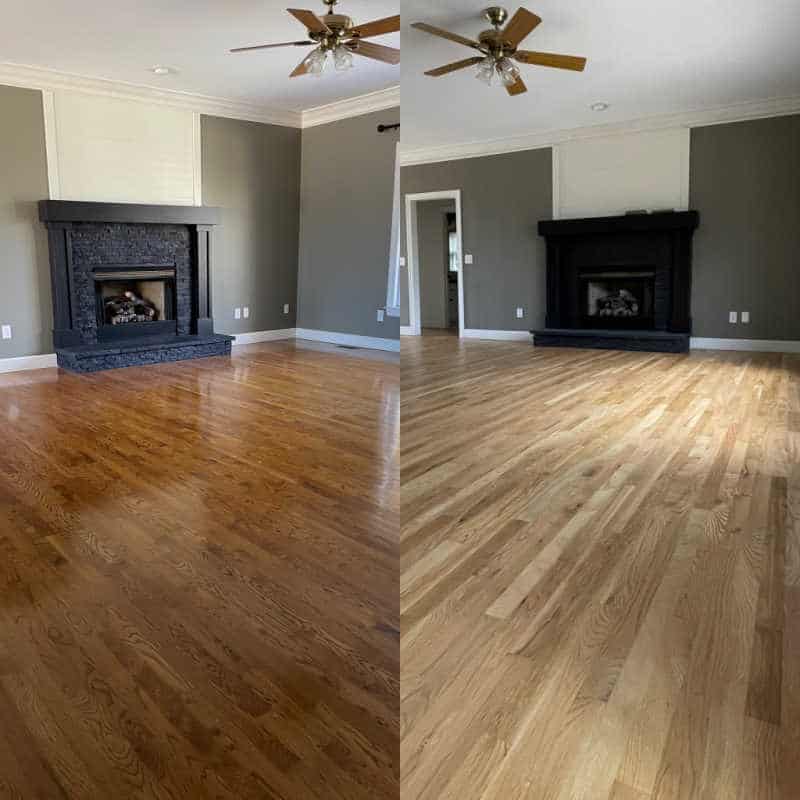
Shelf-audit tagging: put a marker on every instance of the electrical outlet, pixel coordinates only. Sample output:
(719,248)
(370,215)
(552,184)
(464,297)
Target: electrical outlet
(520,312)
(745,317)
(381,314)
(402,261)
(237,313)
(468,258)
(285,308)
(733,317)
(246,312)
(6,331)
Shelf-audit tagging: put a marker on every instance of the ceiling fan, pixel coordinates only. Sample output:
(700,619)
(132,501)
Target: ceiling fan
(499,46)
(336,34)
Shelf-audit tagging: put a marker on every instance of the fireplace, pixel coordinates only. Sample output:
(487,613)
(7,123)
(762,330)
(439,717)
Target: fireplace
(619,282)
(131,283)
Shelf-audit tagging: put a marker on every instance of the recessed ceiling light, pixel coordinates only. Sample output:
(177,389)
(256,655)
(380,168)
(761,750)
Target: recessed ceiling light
(599,106)
(160,69)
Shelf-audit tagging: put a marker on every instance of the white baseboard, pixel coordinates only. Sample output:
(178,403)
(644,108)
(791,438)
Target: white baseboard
(21,363)
(264,336)
(406,330)
(502,336)
(351,339)
(753,345)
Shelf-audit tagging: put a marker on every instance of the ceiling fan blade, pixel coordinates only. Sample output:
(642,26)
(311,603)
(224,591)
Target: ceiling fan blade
(310,20)
(520,25)
(389,55)
(456,65)
(517,88)
(268,46)
(576,63)
(378,27)
(453,37)
(300,69)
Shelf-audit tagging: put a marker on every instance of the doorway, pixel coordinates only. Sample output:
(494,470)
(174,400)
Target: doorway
(435,275)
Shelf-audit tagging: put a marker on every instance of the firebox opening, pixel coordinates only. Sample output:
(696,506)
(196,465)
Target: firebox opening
(618,299)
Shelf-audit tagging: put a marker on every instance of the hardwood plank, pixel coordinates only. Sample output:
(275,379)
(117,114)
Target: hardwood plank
(621,619)
(198,565)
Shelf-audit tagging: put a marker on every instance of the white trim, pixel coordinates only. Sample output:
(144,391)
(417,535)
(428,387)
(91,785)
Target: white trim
(407,330)
(556,179)
(21,363)
(263,336)
(686,147)
(760,109)
(751,345)
(501,336)
(353,107)
(51,145)
(197,159)
(412,257)
(332,337)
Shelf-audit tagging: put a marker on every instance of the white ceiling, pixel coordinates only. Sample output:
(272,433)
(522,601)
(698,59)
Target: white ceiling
(121,40)
(645,57)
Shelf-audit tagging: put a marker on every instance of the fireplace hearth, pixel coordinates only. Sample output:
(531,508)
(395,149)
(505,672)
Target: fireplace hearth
(131,283)
(619,282)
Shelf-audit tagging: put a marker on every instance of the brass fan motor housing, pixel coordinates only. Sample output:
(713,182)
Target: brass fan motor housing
(492,43)
(340,26)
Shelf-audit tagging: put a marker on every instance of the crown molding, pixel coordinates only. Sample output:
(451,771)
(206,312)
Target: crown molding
(52,80)
(739,112)
(354,107)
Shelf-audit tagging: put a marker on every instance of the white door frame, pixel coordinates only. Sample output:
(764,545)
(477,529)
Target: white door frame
(412,253)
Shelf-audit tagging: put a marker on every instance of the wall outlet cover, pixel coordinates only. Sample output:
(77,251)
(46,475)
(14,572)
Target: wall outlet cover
(468,258)
(381,314)
(6,331)
(745,317)
(237,313)
(402,261)
(732,317)
(246,312)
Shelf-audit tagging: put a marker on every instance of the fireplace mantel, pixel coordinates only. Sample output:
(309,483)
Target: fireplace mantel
(79,211)
(660,243)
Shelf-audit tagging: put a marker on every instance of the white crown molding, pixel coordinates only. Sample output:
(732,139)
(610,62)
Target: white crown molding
(53,80)
(739,112)
(354,107)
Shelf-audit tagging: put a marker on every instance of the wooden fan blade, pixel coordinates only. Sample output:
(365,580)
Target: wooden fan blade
(300,69)
(453,37)
(378,27)
(310,20)
(576,63)
(517,88)
(456,65)
(521,24)
(268,46)
(389,55)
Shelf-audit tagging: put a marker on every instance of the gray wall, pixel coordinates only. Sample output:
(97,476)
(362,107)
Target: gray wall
(252,172)
(433,248)
(345,225)
(502,199)
(25,302)
(745,182)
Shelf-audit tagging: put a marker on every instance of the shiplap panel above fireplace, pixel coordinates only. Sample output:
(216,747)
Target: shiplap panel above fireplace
(611,175)
(117,150)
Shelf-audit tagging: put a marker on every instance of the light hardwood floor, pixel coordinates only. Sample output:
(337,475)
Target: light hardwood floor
(600,561)
(198,571)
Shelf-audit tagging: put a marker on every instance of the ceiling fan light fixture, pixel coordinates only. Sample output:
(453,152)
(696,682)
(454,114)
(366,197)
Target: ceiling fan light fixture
(342,58)
(486,69)
(316,61)
(508,71)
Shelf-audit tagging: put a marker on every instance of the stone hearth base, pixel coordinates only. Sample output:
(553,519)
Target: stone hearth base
(91,358)
(648,341)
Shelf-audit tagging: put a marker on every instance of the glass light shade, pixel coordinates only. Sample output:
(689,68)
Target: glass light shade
(342,58)
(316,61)
(485,71)
(508,71)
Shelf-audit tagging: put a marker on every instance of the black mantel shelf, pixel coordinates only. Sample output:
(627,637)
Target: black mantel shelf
(79,211)
(627,223)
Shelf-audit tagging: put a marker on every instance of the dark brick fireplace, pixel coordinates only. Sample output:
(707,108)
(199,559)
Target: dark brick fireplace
(619,282)
(131,283)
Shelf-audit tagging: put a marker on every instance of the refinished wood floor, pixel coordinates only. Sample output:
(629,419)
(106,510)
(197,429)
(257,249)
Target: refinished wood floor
(600,560)
(198,579)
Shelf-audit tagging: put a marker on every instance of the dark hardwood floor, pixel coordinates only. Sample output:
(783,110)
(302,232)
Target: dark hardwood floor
(198,579)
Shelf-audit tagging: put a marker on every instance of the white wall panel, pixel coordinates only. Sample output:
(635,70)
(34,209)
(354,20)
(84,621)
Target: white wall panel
(611,175)
(115,150)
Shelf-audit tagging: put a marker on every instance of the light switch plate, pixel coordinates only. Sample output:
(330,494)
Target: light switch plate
(237,313)
(468,258)
(6,331)
(285,308)
(745,317)
(381,314)
(520,313)
(732,317)
(402,261)
(246,312)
